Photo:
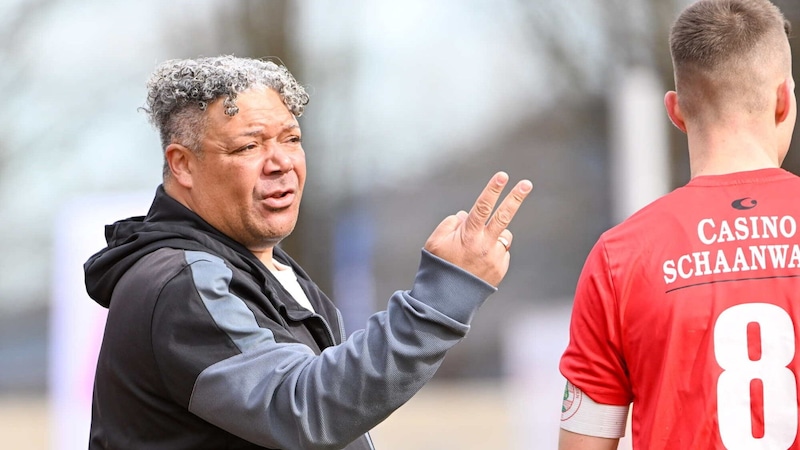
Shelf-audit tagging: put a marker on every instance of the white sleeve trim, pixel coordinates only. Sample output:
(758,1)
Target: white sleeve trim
(580,414)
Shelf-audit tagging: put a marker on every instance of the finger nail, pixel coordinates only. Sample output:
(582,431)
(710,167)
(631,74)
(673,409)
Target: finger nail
(502,178)
(525,186)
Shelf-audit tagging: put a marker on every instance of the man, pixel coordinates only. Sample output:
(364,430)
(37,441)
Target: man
(688,309)
(215,337)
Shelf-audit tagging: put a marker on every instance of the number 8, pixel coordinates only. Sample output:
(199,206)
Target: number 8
(779,383)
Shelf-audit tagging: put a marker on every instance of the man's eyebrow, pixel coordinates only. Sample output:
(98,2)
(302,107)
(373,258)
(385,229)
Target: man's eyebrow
(259,130)
(291,126)
(251,132)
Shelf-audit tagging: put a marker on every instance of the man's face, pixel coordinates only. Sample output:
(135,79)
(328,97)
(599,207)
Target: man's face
(248,180)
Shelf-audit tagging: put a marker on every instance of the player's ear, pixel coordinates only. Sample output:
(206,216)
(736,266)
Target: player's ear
(674,110)
(783,105)
(179,159)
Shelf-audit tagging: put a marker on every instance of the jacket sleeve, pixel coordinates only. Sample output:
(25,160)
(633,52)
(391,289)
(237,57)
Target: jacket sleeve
(280,394)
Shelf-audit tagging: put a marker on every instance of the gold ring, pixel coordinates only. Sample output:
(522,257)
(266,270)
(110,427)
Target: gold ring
(504,241)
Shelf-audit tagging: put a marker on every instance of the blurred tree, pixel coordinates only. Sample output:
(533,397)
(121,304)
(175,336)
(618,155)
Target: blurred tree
(247,28)
(258,29)
(18,21)
(14,26)
(632,33)
(22,335)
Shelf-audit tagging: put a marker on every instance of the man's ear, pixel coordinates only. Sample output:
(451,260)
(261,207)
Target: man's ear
(180,159)
(783,105)
(674,110)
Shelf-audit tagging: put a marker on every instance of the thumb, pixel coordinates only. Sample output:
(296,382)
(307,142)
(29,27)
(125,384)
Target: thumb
(449,224)
(445,229)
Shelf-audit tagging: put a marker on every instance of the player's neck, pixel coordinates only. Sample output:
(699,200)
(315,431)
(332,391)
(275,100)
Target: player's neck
(731,149)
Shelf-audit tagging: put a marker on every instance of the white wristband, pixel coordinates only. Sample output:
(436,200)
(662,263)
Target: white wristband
(580,414)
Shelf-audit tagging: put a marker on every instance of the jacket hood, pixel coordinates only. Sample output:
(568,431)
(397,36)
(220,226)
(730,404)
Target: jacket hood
(167,224)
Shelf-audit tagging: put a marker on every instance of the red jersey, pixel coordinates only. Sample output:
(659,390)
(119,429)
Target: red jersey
(690,308)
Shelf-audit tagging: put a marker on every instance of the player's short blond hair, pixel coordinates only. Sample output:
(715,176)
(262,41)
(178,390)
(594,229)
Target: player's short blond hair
(725,51)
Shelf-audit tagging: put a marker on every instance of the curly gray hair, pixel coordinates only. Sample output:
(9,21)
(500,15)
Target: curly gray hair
(180,90)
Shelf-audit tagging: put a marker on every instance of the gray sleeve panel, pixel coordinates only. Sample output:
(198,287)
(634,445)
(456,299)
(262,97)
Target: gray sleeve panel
(280,395)
(212,279)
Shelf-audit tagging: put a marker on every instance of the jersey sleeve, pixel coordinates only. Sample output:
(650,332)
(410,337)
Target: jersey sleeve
(593,359)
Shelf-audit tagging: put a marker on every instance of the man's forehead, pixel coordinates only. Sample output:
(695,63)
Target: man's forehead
(253,101)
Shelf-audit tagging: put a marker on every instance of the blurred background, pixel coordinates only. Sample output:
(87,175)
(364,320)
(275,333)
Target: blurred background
(414,105)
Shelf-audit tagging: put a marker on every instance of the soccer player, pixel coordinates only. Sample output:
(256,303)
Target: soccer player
(688,310)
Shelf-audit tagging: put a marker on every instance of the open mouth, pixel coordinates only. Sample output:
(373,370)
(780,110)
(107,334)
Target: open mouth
(279,199)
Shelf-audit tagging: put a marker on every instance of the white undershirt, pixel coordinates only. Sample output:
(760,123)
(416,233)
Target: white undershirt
(288,280)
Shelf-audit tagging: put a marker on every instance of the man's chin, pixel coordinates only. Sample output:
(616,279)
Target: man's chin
(274,237)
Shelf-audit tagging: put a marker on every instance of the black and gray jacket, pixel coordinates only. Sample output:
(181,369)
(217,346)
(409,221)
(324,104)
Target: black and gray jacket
(204,349)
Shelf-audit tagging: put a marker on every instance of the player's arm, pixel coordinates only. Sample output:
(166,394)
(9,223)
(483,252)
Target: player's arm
(588,425)
(594,361)
(567,440)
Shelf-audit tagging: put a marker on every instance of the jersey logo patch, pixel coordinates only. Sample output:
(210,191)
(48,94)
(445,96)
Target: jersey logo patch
(744,203)
(573,397)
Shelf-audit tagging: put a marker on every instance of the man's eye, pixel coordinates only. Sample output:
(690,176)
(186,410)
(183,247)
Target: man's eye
(247,147)
(296,139)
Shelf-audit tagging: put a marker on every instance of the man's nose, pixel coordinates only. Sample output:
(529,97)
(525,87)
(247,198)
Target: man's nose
(279,160)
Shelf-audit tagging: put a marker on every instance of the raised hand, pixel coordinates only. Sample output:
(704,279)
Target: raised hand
(479,241)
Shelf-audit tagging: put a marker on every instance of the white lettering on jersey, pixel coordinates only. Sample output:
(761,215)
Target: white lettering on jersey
(744,258)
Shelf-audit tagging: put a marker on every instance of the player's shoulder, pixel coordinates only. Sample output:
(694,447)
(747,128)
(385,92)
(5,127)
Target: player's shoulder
(659,212)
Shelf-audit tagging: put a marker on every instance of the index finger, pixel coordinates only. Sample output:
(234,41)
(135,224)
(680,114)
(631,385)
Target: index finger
(484,205)
(508,208)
